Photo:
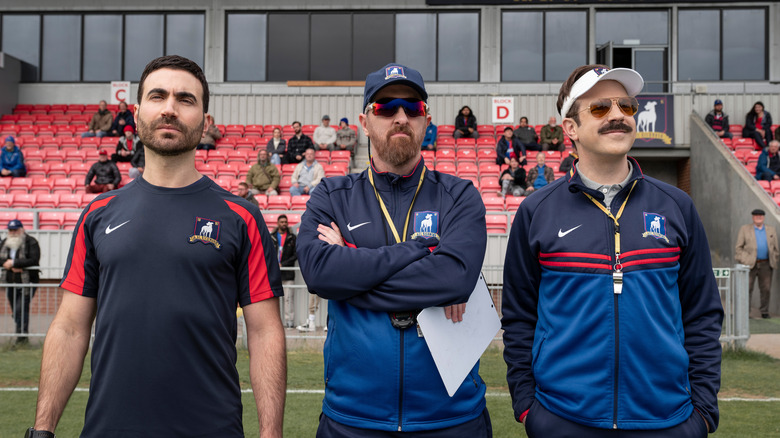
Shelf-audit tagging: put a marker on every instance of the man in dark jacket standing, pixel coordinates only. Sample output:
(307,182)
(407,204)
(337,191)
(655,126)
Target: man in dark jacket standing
(19,252)
(105,173)
(123,119)
(284,241)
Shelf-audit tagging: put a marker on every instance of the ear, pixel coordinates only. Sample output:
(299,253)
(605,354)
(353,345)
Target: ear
(207,122)
(136,107)
(570,128)
(363,120)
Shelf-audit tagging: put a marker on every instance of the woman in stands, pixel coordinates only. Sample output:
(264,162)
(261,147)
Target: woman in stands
(758,126)
(277,147)
(465,124)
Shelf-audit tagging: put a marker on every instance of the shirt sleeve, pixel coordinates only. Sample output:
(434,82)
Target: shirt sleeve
(81,270)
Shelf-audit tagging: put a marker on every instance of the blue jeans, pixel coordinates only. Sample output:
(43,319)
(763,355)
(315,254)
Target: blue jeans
(99,134)
(298,190)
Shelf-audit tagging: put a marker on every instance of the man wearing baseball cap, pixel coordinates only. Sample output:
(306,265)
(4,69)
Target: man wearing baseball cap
(380,246)
(105,173)
(718,120)
(611,313)
(18,253)
(757,247)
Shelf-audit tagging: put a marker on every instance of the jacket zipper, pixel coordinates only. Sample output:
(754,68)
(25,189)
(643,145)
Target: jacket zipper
(401,383)
(617,355)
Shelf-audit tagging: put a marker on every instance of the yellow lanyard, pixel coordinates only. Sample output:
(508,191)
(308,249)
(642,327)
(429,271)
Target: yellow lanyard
(384,209)
(617,275)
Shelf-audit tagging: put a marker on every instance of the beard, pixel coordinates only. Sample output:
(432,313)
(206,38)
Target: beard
(14,242)
(166,144)
(398,151)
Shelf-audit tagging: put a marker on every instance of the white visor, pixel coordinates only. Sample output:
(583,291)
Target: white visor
(629,79)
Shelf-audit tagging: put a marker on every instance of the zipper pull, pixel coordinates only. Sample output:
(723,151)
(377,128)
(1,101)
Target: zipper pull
(617,276)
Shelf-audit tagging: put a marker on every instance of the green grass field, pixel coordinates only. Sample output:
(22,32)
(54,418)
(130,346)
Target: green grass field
(745,375)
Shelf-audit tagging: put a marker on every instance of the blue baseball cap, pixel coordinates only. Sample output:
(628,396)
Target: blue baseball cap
(15,224)
(718,102)
(393,74)
(11,139)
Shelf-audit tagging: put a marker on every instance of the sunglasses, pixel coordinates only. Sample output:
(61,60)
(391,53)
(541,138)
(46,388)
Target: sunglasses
(601,107)
(387,107)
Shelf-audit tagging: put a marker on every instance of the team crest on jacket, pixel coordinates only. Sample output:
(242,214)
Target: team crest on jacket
(655,226)
(426,224)
(206,231)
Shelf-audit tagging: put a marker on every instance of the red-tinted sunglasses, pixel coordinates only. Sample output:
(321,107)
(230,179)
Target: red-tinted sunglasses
(601,107)
(388,107)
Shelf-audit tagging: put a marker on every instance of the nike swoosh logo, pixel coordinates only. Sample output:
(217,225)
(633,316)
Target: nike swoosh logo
(352,227)
(562,233)
(110,230)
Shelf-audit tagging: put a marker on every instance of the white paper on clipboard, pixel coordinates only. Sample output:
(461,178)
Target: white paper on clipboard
(456,347)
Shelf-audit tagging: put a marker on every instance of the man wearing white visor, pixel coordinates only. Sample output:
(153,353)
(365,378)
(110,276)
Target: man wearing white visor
(611,313)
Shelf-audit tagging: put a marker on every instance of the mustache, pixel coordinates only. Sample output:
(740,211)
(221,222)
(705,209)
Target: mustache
(401,129)
(167,121)
(616,126)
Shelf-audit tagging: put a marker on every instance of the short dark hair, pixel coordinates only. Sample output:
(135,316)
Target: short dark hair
(176,62)
(509,128)
(524,117)
(293,123)
(566,90)
(244,183)
(280,217)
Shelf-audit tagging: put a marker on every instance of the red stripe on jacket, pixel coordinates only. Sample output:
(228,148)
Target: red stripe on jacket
(259,285)
(576,254)
(74,279)
(650,251)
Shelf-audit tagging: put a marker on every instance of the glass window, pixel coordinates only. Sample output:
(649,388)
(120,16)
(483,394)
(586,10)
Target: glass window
(564,51)
(649,27)
(415,43)
(651,64)
(698,54)
(331,47)
(521,46)
(21,39)
(458,47)
(372,43)
(184,36)
(288,47)
(61,60)
(143,43)
(246,46)
(102,48)
(743,44)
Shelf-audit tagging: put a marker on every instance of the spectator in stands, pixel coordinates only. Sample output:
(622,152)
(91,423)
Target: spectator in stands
(263,177)
(568,162)
(244,192)
(126,146)
(297,144)
(105,173)
(20,252)
(718,120)
(101,122)
(284,242)
(768,166)
(325,135)
(539,175)
(138,162)
(512,179)
(122,119)
(208,139)
(465,124)
(277,147)
(509,147)
(307,175)
(552,136)
(758,125)
(346,137)
(527,135)
(431,134)
(12,159)
(757,248)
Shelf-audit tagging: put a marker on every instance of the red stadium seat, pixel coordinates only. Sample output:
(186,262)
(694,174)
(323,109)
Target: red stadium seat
(87,198)
(71,219)
(299,202)
(486,156)
(323,156)
(24,200)
(496,223)
(227,171)
(37,169)
(285,182)
(493,202)
(446,167)
(20,185)
(279,202)
(489,185)
(446,130)
(338,169)
(27,218)
(513,202)
(489,169)
(467,169)
(6,200)
(340,157)
(47,200)
(445,141)
(41,185)
(465,142)
(486,130)
(66,185)
(70,200)
(253,131)
(466,155)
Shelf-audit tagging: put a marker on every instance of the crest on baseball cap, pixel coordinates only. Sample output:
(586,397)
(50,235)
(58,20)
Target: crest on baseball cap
(630,79)
(392,74)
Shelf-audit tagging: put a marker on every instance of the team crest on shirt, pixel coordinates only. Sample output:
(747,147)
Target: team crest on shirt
(394,72)
(655,226)
(206,231)
(426,224)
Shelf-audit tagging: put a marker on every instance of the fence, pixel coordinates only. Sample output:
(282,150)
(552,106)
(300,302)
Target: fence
(732,284)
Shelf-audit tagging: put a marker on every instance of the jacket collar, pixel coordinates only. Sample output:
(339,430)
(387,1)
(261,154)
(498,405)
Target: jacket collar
(386,180)
(574,179)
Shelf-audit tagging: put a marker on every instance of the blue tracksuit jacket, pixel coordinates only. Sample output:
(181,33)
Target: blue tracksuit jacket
(377,376)
(641,359)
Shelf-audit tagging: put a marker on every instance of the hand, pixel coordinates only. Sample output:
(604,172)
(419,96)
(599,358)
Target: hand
(330,234)
(5,172)
(776,177)
(110,186)
(506,176)
(530,189)
(506,161)
(455,312)
(8,264)
(299,157)
(306,190)
(17,270)
(122,122)
(471,129)
(555,140)
(140,169)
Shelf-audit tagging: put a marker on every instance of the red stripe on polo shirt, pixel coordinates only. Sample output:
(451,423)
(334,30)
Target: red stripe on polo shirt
(576,254)
(577,265)
(259,285)
(650,251)
(650,261)
(74,279)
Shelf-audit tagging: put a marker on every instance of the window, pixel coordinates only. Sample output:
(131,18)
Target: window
(415,42)
(458,47)
(534,48)
(102,59)
(61,60)
(726,44)
(634,27)
(372,43)
(288,47)
(184,36)
(22,39)
(143,42)
(246,46)
(331,47)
